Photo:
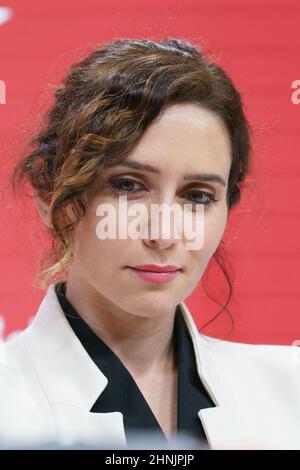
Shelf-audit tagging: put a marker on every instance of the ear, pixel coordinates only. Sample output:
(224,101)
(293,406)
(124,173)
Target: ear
(43,209)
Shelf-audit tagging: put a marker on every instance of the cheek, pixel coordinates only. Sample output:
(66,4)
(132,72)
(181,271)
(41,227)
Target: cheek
(100,258)
(214,230)
(214,227)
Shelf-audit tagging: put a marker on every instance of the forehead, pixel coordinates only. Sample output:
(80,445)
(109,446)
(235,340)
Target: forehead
(185,137)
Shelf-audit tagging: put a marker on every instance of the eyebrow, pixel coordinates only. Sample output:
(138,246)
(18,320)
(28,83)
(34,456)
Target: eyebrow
(197,176)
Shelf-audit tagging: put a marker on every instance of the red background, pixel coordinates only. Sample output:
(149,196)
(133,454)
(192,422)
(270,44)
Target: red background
(258,43)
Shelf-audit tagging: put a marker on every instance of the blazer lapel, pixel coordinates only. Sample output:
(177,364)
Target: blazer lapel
(78,425)
(218,423)
(248,426)
(240,421)
(70,379)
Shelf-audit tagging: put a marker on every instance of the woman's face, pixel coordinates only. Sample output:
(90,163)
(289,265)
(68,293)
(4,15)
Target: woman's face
(184,140)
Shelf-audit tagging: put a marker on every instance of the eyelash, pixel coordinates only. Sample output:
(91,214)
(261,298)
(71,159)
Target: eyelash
(115,183)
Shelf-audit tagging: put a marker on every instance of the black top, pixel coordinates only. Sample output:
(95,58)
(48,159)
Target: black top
(122,392)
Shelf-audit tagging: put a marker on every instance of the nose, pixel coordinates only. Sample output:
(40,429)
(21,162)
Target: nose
(161,244)
(164,230)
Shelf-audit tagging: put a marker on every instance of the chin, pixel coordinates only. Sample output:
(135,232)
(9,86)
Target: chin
(155,308)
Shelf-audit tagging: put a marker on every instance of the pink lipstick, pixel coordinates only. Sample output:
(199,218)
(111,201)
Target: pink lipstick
(155,273)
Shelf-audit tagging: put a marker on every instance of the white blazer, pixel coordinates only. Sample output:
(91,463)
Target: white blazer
(48,384)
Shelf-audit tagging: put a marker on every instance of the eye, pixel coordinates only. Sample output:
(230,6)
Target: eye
(124,185)
(129,186)
(196,197)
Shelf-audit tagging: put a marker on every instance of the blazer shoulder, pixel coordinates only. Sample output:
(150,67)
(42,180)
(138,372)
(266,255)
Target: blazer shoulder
(13,351)
(16,370)
(288,355)
(215,342)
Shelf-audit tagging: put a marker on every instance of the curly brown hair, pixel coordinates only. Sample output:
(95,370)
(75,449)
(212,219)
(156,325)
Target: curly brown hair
(100,112)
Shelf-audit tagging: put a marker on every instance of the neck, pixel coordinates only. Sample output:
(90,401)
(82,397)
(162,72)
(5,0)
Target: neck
(144,344)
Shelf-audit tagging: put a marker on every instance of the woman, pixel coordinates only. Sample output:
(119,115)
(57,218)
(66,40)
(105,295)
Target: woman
(113,347)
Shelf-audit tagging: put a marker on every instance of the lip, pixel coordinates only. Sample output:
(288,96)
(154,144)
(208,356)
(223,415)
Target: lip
(154,276)
(156,268)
